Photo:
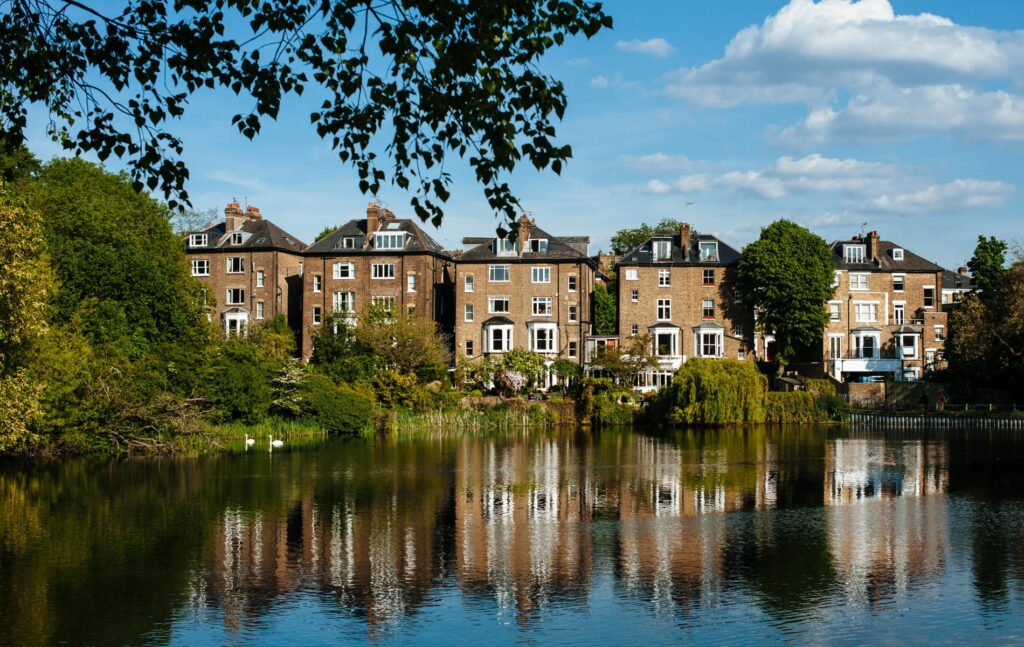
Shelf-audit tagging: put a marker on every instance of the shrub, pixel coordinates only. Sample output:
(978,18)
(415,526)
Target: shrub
(791,407)
(338,409)
(529,365)
(239,382)
(716,392)
(396,390)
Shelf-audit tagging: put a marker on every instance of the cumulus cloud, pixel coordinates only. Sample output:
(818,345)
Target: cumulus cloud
(950,197)
(599,81)
(657,162)
(856,183)
(656,47)
(893,66)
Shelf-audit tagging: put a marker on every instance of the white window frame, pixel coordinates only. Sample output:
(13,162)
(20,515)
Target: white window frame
(198,240)
(572,283)
(717,346)
(708,250)
(538,245)
(708,271)
(387,300)
(505,247)
(634,296)
(546,333)
(858,344)
(899,312)
(897,253)
(859,281)
(491,301)
(389,240)
(239,261)
(854,254)
(467,283)
(634,330)
(317,316)
(863,309)
(737,330)
(837,277)
(664,310)
(924,295)
(940,332)
(705,305)
(236,238)
(259,309)
(231,302)
(632,274)
(901,346)
(506,337)
(572,313)
(661,250)
(542,307)
(664,278)
(343,302)
(572,350)
(673,347)
(261,279)
(835,311)
(467,312)
(540,274)
(901,280)
(200,267)
(499,270)
(410,283)
(835,346)
(342,271)
(348,242)
(318,283)
(382,271)
(469,348)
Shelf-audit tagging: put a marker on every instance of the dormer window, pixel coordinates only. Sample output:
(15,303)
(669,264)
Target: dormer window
(709,251)
(504,247)
(853,253)
(348,242)
(538,245)
(662,250)
(389,241)
(198,240)
(236,238)
(897,254)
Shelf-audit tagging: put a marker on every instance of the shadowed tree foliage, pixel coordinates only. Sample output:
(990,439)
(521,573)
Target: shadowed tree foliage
(401,84)
(988,265)
(605,310)
(787,276)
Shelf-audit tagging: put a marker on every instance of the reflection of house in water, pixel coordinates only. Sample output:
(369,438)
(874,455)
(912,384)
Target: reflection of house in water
(375,553)
(671,547)
(522,514)
(887,525)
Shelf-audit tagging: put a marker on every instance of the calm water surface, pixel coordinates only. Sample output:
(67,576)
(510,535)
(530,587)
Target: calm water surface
(734,537)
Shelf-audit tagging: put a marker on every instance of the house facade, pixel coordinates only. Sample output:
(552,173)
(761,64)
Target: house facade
(251,268)
(680,289)
(377,260)
(886,318)
(532,293)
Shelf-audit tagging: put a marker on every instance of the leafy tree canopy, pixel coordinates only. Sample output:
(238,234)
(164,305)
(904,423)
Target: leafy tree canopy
(605,311)
(787,276)
(403,84)
(626,239)
(988,265)
(625,361)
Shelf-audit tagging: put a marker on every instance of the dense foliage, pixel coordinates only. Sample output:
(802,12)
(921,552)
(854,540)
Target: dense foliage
(717,392)
(625,240)
(988,265)
(985,346)
(403,85)
(787,277)
(626,360)
(606,319)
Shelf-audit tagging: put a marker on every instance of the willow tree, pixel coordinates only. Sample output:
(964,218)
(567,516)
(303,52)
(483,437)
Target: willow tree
(398,85)
(787,277)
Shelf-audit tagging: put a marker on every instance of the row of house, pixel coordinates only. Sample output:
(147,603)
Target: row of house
(887,318)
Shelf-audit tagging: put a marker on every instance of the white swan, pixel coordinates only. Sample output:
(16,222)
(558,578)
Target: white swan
(249,442)
(275,443)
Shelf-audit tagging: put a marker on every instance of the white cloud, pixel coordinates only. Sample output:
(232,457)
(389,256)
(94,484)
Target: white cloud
(248,182)
(582,61)
(947,198)
(657,162)
(657,47)
(599,81)
(906,74)
(854,183)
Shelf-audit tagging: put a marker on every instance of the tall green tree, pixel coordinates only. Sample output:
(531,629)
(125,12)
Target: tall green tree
(626,239)
(120,269)
(988,265)
(605,311)
(400,85)
(786,276)
(25,283)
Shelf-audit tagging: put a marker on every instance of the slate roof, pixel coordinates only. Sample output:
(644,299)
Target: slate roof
(885,262)
(558,249)
(644,254)
(418,240)
(955,281)
(258,234)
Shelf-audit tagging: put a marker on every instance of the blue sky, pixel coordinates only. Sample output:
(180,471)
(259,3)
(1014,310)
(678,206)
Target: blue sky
(901,116)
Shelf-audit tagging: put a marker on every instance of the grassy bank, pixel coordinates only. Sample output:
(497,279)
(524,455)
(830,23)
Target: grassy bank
(480,416)
(230,437)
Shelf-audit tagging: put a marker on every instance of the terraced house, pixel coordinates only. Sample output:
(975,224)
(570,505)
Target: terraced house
(886,319)
(532,293)
(679,289)
(377,260)
(251,267)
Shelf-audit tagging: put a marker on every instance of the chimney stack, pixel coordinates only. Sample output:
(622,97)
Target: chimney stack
(873,252)
(252,213)
(233,216)
(525,224)
(685,236)
(373,213)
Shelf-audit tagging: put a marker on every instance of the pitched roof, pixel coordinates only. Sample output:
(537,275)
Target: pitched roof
(644,253)
(257,233)
(419,240)
(956,281)
(884,262)
(558,249)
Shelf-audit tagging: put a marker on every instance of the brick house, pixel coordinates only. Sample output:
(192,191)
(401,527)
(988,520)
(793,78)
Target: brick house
(680,290)
(251,267)
(531,294)
(886,317)
(379,259)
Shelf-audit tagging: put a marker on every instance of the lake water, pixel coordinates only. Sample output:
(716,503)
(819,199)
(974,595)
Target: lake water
(810,535)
